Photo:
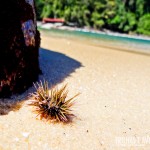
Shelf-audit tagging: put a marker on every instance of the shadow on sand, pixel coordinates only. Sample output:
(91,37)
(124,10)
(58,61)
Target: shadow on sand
(55,68)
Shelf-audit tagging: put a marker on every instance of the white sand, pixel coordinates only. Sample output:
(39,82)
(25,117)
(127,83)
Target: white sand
(115,100)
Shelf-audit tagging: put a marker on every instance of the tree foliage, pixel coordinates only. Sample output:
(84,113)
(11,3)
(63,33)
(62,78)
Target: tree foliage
(117,15)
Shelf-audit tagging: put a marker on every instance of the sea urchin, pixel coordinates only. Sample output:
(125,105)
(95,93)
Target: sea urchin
(52,105)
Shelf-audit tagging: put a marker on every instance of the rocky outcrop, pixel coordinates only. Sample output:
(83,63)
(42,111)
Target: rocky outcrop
(19,46)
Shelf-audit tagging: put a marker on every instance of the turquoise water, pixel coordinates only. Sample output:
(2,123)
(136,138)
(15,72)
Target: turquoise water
(106,40)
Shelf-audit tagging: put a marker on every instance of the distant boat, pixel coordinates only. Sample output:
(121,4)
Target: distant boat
(53,20)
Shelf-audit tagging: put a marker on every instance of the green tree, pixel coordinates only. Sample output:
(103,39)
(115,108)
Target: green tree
(117,15)
(144,25)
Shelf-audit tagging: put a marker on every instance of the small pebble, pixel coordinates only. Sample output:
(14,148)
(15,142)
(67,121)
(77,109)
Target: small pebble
(102,143)
(16,139)
(26,134)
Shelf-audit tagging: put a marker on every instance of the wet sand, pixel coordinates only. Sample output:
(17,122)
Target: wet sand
(114,104)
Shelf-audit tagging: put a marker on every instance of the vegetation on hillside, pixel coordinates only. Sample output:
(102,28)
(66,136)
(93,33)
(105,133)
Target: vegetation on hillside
(126,16)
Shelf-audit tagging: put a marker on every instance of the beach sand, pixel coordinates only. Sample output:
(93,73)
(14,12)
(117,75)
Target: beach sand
(112,111)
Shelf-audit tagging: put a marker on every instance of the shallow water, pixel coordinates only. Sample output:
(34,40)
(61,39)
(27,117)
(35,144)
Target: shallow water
(100,39)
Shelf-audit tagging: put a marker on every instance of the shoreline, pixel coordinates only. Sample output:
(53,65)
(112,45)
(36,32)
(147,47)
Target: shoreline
(114,45)
(106,32)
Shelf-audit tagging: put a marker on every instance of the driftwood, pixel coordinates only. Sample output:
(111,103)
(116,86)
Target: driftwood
(19,44)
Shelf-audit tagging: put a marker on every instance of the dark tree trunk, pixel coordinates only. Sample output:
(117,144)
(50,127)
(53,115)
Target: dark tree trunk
(19,44)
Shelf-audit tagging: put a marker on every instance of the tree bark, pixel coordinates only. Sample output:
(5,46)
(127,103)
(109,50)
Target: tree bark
(19,44)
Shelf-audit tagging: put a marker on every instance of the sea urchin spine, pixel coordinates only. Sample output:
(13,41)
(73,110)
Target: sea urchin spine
(52,105)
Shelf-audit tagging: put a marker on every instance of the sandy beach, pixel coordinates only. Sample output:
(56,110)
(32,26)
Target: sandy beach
(112,111)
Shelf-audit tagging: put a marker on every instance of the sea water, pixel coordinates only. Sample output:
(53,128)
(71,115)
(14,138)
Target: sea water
(111,40)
